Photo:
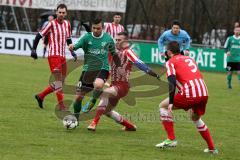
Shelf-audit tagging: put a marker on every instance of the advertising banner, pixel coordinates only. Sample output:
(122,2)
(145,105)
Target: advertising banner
(206,58)
(85,5)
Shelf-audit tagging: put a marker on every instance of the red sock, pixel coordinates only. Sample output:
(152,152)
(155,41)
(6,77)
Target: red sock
(207,137)
(127,124)
(203,130)
(168,126)
(45,92)
(59,95)
(99,113)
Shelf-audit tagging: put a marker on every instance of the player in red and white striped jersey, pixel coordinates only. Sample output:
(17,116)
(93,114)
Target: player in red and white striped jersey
(115,27)
(183,73)
(119,83)
(59,33)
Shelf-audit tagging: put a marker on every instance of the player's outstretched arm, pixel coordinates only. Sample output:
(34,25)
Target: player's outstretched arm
(142,66)
(35,44)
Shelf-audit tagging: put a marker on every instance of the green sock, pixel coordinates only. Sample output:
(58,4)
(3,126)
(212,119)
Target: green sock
(229,79)
(77,106)
(238,77)
(96,94)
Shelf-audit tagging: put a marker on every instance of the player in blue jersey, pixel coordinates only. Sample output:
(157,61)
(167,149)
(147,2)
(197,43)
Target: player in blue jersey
(175,34)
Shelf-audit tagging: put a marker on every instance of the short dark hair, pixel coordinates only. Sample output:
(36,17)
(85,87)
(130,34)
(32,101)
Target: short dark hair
(62,6)
(117,13)
(96,20)
(123,34)
(176,22)
(174,47)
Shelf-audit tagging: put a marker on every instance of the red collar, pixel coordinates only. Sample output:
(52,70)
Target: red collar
(58,21)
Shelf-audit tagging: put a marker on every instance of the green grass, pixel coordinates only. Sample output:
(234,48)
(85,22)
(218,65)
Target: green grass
(28,133)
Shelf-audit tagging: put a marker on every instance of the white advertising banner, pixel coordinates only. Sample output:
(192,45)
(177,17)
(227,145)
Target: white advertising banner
(21,44)
(86,5)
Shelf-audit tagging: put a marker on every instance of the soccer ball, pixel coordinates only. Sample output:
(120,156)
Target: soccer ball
(70,122)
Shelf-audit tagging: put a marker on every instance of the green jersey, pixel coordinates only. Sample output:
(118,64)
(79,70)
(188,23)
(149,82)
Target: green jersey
(96,50)
(233,46)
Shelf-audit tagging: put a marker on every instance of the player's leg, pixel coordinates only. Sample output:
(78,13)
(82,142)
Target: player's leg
(168,124)
(77,104)
(61,78)
(238,75)
(122,90)
(53,86)
(229,75)
(97,91)
(118,118)
(103,103)
(84,86)
(238,71)
(201,126)
(229,79)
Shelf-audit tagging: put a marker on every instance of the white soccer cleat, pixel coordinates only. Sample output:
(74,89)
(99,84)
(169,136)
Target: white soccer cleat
(167,143)
(214,151)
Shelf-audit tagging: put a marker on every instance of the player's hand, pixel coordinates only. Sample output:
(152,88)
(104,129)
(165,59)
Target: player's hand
(34,54)
(228,53)
(186,52)
(70,47)
(162,54)
(74,55)
(107,84)
(170,107)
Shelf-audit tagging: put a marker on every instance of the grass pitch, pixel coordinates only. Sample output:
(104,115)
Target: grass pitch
(27,132)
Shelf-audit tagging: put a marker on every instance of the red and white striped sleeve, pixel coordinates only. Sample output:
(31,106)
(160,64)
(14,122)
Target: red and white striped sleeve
(132,56)
(46,29)
(69,30)
(122,28)
(170,69)
(106,27)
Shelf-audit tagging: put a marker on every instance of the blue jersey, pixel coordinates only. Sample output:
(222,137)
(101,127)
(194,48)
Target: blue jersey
(182,38)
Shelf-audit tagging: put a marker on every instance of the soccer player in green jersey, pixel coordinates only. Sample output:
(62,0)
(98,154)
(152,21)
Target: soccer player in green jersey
(232,47)
(96,46)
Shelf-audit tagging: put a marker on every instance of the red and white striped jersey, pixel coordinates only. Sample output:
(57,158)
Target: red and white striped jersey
(57,36)
(113,29)
(127,57)
(190,82)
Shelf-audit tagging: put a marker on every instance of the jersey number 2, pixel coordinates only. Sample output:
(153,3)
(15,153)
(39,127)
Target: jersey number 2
(191,64)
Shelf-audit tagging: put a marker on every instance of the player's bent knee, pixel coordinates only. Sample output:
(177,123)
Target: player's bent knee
(56,71)
(56,85)
(98,83)
(162,105)
(195,117)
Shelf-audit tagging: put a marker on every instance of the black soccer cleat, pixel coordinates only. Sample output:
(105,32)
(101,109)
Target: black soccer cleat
(40,101)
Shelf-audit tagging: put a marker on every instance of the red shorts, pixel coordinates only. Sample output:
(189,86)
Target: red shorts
(198,104)
(58,63)
(122,91)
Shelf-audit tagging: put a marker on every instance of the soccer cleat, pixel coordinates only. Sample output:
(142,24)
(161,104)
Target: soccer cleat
(167,143)
(214,151)
(88,106)
(134,128)
(92,126)
(40,101)
(229,87)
